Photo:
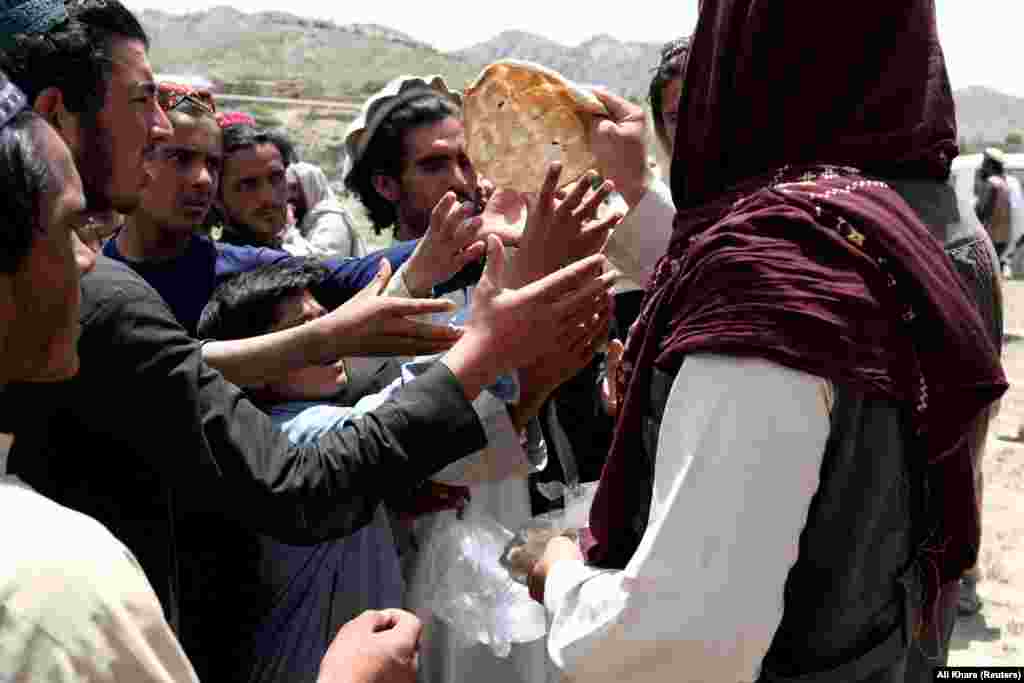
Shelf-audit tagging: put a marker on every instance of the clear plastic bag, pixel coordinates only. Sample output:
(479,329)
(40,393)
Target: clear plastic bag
(460,580)
(527,545)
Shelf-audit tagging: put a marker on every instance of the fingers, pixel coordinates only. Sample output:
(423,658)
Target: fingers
(486,188)
(494,269)
(403,630)
(589,271)
(550,184)
(594,201)
(619,109)
(406,346)
(593,237)
(586,326)
(378,283)
(474,252)
(579,191)
(401,307)
(442,212)
(401,621)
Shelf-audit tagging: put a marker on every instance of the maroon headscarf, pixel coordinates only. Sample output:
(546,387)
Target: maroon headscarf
(814,267)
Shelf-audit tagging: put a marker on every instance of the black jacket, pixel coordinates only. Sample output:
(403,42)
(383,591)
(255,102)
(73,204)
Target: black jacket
(147,429)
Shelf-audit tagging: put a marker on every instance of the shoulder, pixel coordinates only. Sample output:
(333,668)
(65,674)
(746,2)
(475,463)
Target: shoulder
(111,286)
(110,281)
(62,567)
(75,603)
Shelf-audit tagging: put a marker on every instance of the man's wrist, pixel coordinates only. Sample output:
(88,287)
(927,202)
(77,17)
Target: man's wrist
(470,365)
(319,343)
(415,285)
(634,187)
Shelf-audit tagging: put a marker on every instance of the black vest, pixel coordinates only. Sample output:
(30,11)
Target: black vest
(846,614)
(850,599)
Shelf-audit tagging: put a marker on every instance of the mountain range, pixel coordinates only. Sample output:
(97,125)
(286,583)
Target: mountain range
(347,61)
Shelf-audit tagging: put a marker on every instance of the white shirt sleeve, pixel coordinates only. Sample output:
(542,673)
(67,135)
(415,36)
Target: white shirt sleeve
(738,461)
(642,236)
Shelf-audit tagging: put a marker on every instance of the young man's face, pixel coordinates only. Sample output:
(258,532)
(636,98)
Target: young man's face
(40,313)
(183,175)
(313,382)
(670,109)
(254,192)
(110,154)
(435,162)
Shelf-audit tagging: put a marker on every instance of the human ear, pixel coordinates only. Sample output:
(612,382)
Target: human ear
(50,105)
(387,187)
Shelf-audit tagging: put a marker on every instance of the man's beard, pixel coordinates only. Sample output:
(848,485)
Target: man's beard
(95,163)
(412,224)
(251,234)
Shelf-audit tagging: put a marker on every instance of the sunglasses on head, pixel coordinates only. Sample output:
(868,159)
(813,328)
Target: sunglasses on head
(171,95)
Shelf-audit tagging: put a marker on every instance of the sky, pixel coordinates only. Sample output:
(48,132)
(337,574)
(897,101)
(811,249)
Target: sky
(983,40)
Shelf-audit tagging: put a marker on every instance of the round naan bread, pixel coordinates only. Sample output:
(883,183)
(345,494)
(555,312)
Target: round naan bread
(520,116)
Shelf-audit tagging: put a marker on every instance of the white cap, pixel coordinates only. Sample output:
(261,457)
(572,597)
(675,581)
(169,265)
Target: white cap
(382,103)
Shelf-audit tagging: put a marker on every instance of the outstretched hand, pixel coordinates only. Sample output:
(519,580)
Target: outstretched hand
(369,324)
(509,329)
(562,228)
(620,144)
(451,242)
(378,646)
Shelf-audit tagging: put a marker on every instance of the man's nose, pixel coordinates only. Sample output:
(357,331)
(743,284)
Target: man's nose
(203,178)
(160,128)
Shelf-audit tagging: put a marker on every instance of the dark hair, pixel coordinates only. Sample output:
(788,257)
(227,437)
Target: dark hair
(285,146)
(385,153)
(25,176)
(246,304)
(673,57)
(990,167)
(243,136)
(75,56)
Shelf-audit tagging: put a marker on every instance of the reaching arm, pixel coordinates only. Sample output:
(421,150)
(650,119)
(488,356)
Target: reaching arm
(738,461)
(230,451)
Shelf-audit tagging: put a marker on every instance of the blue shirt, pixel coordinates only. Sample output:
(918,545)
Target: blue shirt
(187,282)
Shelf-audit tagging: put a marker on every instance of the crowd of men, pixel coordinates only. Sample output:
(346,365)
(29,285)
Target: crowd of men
(233,428)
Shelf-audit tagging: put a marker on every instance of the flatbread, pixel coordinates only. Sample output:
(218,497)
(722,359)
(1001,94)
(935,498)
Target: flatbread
(519,116)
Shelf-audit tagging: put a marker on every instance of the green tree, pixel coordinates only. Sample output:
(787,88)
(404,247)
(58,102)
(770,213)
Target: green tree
(1014,138)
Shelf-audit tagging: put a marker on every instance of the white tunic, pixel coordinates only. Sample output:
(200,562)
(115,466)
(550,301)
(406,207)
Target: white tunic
(738,459)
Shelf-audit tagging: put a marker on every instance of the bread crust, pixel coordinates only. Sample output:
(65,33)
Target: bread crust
(519,116)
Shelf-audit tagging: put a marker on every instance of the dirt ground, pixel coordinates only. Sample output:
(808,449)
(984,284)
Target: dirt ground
(996,635)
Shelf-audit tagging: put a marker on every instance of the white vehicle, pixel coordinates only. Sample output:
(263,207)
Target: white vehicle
(962,178)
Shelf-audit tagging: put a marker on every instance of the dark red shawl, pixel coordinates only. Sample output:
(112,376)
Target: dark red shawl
(835,276)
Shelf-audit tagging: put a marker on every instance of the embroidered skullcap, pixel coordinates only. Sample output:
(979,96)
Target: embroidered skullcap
(28,16)
(234,118)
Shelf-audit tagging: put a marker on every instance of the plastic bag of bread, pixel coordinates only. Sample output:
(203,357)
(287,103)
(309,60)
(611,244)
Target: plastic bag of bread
(527,545)
(459,580)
